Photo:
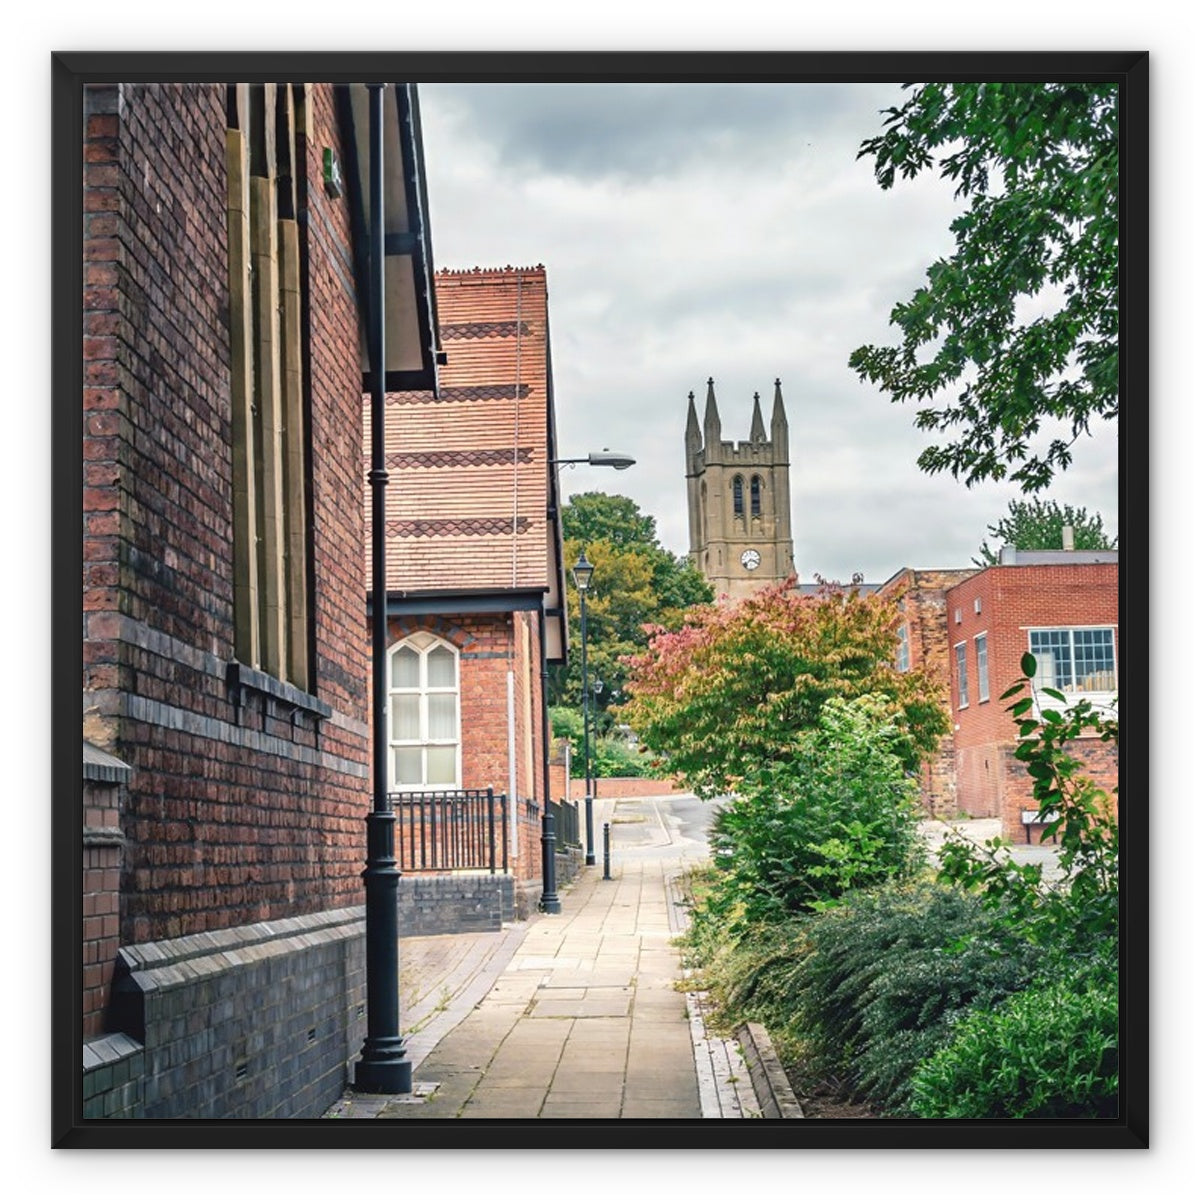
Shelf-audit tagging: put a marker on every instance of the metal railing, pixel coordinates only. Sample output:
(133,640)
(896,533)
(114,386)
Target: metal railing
(566,822)
(465,830)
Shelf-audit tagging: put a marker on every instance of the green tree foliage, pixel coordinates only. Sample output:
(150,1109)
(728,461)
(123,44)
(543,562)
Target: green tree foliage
(837,813)
(1075,918)
(637,582)
(611,753)
(1038,524)
(729,691)
(1022,317)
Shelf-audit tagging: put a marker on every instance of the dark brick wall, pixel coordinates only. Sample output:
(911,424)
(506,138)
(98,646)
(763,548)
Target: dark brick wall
(241,807)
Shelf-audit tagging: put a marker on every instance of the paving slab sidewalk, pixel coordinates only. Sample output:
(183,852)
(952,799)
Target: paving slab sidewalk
(575,1015)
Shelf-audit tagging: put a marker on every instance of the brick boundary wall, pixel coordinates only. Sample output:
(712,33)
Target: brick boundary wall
(1099,763)
(436,904)
(249,1023)
(617,787)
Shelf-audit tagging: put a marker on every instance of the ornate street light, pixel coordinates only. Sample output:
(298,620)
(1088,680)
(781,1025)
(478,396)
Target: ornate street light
(582,571)
(550,902)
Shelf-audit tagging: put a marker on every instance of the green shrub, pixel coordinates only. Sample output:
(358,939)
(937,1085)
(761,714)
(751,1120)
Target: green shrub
(1050,1051)
(884,979)
(838,813)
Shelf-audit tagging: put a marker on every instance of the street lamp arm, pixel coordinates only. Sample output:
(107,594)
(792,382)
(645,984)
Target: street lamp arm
(599,458)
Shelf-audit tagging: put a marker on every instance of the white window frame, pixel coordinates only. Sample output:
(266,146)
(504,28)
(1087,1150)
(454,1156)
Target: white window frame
(903,648)
(1103,699)
(960,671)
(983,686)
(423,643)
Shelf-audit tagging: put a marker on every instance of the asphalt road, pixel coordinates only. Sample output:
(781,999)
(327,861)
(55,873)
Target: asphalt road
(660,826)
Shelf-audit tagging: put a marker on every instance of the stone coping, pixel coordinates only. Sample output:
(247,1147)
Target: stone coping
(775,1095)
(179,960)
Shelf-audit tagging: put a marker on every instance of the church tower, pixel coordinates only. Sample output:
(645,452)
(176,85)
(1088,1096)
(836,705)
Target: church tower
(739,504)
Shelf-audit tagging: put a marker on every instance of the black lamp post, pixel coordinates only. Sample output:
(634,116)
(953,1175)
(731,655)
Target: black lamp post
(384,1065)
(550,902)
(582,571)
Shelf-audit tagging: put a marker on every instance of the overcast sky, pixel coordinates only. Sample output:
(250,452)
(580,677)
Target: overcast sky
(691,230)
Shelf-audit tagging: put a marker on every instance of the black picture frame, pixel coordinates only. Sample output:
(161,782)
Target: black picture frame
(72,71)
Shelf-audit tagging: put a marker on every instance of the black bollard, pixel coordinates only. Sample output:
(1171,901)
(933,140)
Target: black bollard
(607,873)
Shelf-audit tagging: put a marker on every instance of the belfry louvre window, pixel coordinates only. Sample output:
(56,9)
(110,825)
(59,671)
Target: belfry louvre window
(1074,660)
(739,503)
(423,714)
(271,450)
(755,496)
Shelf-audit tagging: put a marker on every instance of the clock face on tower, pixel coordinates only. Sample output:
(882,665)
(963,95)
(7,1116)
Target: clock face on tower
(750,559)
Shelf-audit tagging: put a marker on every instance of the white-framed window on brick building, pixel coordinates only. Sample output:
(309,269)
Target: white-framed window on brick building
(903,656)
(981,667)
(1075,659)
(960,673)
(424,745)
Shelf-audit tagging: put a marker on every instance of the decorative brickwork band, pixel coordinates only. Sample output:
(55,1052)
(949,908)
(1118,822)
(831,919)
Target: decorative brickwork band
(460,458)
(501,391)
(482,329)
(457,527)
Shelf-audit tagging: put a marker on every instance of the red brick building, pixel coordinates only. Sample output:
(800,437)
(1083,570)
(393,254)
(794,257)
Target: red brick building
(474,564)
(1060,606)
(971,627)
(225,706)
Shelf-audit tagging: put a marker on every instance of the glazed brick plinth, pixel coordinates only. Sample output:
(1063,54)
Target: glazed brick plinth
(255,1022)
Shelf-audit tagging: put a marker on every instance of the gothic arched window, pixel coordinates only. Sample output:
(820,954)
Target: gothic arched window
(423,714)
(739,507)
(755,496)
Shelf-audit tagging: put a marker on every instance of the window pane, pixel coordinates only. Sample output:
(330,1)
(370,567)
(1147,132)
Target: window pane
(1052,649)
(441,765)
(406,763)
(443,723)
(981,667)
(406,718)
(441,667)
(960,663)
(406,667)
(1095,663)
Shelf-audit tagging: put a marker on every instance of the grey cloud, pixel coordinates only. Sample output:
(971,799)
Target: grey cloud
(639,131)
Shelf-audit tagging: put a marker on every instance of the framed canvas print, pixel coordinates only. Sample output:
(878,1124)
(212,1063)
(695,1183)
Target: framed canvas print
(690,719)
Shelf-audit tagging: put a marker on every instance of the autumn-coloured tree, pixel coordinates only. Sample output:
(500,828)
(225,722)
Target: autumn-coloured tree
(730,690)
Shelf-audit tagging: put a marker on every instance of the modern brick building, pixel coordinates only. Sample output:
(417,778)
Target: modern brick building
(971,627)
(225,689)
(1060,606)
(475,572)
